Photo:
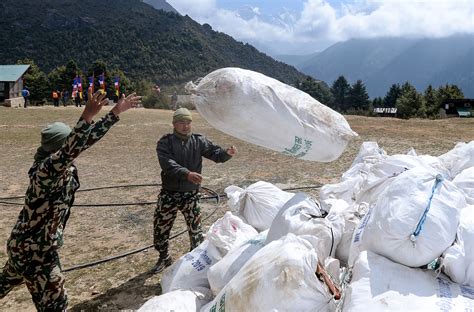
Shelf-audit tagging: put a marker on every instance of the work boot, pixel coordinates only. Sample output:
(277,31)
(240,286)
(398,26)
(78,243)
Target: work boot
(161,264)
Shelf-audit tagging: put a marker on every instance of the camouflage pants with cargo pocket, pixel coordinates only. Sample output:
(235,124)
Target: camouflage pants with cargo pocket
(41,272)
(166,210)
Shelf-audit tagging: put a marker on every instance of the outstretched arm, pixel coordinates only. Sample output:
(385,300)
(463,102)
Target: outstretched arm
(100,128)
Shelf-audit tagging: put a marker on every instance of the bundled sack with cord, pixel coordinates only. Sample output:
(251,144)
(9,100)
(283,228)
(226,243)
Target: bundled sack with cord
(266,112)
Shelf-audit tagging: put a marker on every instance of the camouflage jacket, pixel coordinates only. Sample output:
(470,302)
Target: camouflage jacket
(50,194)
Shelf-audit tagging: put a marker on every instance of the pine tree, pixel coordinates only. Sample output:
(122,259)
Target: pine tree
(340,92)
(36,81)
(358,97)
(431,102)
(409,103)
(392,95)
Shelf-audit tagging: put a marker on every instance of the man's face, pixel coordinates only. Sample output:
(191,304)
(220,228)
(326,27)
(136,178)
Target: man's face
(182,127)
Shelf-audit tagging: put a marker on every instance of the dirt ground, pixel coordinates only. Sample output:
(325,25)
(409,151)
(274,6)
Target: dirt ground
(126,156)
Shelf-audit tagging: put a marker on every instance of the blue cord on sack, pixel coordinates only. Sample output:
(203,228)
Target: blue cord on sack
(419,226)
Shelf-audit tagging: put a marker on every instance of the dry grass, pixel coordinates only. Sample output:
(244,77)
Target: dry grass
(127,156)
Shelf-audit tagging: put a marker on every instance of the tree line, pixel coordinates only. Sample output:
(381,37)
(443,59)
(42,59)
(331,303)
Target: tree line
(354,99)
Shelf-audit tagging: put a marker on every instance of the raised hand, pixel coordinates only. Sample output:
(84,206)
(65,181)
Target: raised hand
(94,104)
(125,103)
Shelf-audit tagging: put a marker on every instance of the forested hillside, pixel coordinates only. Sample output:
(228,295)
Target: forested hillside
(127,34)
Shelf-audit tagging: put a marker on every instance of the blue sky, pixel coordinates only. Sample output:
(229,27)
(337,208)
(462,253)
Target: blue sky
(307,26)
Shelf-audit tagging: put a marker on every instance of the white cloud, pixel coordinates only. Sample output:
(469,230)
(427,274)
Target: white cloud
(320,23)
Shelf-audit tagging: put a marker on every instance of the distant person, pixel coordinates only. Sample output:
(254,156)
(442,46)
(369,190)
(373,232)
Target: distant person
(180,156)
(55,96)
(38,234)
(174,101)
(78,99)
(64,97)
(26,96)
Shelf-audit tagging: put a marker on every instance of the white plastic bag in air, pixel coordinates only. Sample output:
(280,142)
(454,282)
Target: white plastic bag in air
(223,271)
(266,112)
(458,260)
(258,203)
(279,277)
(190,271)
(379,284)
(413,221)
(465,182)
(302,216)
(178,300)
(228,232)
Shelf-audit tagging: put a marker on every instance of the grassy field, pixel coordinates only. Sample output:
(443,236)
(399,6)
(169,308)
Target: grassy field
(127,156)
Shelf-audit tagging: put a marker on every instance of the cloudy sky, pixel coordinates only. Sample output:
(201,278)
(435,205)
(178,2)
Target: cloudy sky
(306,26)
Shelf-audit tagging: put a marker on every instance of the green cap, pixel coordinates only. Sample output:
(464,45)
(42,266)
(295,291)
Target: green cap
(182,114)
(54,135)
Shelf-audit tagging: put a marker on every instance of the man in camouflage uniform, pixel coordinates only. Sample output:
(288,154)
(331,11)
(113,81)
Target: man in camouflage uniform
(180,156)
(38,233)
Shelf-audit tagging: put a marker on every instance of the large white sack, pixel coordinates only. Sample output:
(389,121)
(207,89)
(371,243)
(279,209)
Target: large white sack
(465,182)
(258,203)
(223,271)
(380,175)
(352,215)
(303,216)
(414,220)
(379,284)
(190,271)
(263,111)
(458,260)
(459,158)
(178,300)
(279,277)
(228,232)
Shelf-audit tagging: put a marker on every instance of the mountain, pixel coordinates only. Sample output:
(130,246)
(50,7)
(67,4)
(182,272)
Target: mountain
(295,60)
(161,5)
(135,37)
(379,63)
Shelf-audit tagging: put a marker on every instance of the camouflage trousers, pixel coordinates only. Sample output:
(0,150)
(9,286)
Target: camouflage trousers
(41,272)
(166,210)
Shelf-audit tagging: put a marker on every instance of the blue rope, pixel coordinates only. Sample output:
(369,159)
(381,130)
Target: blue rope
(419,226)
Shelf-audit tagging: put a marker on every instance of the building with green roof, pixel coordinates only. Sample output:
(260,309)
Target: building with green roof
(11,84)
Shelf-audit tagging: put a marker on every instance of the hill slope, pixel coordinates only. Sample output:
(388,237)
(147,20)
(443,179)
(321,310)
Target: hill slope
(382,62)
(144,42)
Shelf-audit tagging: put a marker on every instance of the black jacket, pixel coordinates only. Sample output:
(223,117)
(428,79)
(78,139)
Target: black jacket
(178,157)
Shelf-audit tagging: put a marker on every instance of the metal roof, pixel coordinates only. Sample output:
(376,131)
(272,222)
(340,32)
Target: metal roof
(11,73)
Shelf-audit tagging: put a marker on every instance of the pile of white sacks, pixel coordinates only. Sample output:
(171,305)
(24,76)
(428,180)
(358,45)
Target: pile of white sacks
(388,216)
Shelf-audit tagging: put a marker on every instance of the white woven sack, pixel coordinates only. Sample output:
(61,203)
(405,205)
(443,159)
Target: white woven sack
(459,158)
(465,182)
(229,232)
(302,216)
(380,285)
(458,260)
(258,203)
(401,227)
(178,300)
(223,271)
(279,277)
(266,112)
(190,271)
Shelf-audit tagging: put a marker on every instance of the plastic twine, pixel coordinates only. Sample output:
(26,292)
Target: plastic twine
(419,226)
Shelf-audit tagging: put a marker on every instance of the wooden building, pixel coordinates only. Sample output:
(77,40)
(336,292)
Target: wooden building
(457,108)
(11,84)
